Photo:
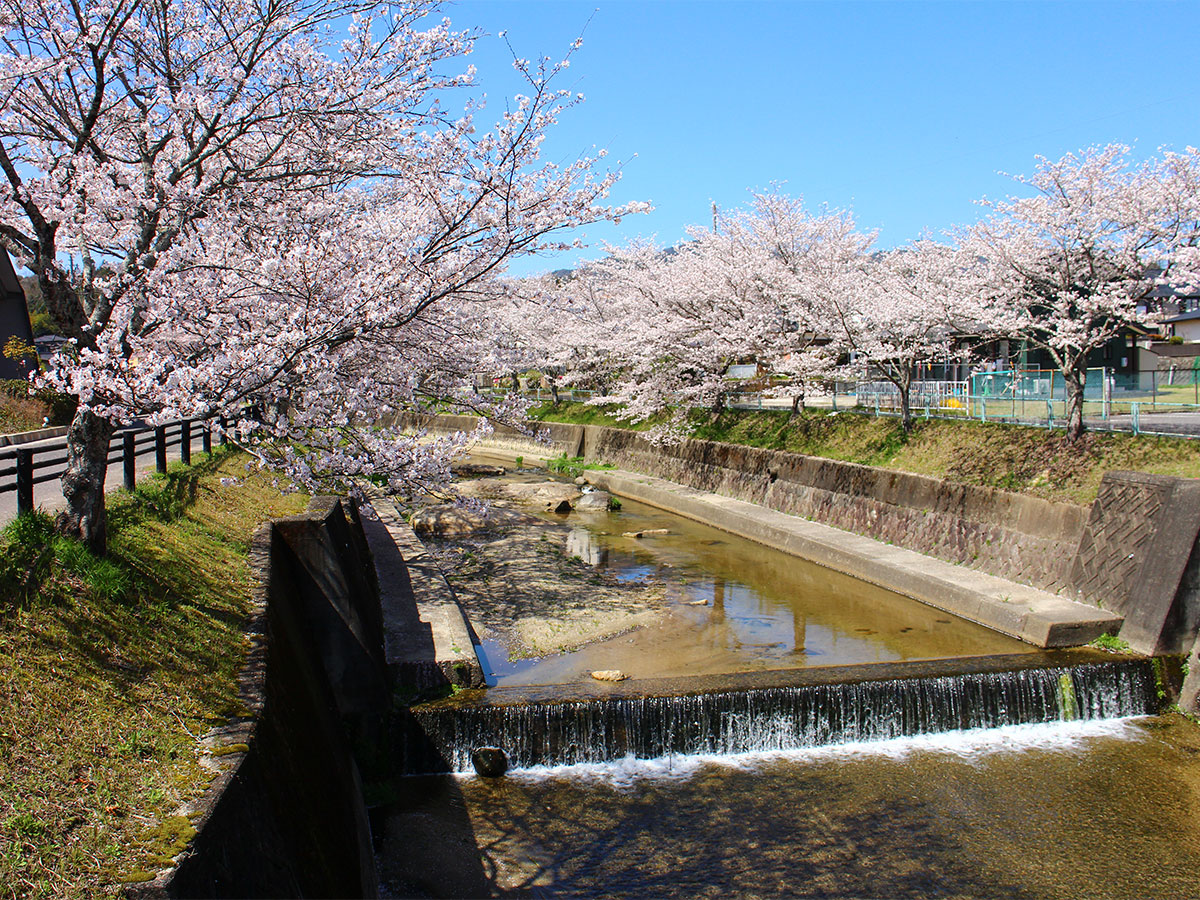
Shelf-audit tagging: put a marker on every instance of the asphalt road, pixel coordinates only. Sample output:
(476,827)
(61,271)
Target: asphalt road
(48,496)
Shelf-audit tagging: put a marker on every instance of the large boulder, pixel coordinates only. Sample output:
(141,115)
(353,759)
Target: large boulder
(551,495)
(452,520)
(594,501)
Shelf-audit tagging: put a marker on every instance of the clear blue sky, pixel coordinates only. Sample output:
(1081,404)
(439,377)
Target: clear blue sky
(903,112)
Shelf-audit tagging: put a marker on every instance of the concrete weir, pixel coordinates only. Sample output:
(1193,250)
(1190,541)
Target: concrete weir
(774,711)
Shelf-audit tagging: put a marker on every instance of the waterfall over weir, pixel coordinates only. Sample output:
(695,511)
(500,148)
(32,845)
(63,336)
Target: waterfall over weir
(603,728)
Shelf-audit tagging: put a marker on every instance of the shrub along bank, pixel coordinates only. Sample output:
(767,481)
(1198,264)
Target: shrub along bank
(113,669)
(1009,457)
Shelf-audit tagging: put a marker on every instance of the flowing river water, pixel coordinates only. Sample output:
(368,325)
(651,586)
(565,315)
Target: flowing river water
(729,605)
(1080,810)
(1100,806)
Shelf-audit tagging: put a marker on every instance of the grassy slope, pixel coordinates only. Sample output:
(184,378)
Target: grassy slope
(112,669)
(1014,458)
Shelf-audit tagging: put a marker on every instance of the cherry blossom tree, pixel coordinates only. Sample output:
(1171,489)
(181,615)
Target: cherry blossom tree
(552,324)
(749,290)
(234,201)
(1073,265)
(910,306)
(806,267)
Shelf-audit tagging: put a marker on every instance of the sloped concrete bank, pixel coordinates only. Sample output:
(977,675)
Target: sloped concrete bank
(1132,553)
(1034,616)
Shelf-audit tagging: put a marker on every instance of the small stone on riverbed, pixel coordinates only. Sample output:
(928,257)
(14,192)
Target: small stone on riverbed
(609,675)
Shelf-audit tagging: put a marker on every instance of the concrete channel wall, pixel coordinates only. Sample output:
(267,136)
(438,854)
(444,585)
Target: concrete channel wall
(347,608)
(1131,553)
(286,818)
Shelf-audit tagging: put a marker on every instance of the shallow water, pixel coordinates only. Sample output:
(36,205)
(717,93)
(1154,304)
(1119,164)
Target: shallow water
(1099,809)
(737,606)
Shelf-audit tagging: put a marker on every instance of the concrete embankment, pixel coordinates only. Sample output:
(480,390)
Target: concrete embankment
(427,639)
(1034,616)
(346,609)
(285,817)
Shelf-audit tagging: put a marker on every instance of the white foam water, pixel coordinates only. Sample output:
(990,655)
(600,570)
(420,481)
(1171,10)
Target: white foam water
(970,745)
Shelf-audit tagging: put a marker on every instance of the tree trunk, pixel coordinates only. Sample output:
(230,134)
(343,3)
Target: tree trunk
(1076,381)
(906,419)
(798,404)
(516,383)
(83,482)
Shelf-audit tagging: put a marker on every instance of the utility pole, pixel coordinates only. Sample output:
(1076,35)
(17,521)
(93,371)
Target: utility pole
(714,212)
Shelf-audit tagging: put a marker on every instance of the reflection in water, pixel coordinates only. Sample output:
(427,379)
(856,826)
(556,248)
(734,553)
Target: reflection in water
(1103,810)
(736,606)
(583,544)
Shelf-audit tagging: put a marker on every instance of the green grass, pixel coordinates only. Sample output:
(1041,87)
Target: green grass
(585,414)
(573,466)
(113,668)
(1009,457)
(1110,642)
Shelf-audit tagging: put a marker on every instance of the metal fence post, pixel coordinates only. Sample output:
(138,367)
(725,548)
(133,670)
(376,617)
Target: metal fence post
(160,449)
(24,480)
(206,439)
(224,439)
(129,458)
(185,442)
(1049,413)
(1135,417)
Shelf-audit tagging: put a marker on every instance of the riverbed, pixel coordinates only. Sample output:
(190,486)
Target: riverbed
(647,593)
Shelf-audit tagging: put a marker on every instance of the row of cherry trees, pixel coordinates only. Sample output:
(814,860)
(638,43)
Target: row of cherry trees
(267,203)
(1065,268)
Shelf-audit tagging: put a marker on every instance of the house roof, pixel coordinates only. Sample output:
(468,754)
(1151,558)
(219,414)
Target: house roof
(1184,317)
(1183,351)
(14,317)
(9,282)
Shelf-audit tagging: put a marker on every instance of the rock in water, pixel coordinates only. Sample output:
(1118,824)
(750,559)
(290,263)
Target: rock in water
(641,534)
(547,494)
(489,762)
(471,469)
(593,500)
(609,675)
(447,520)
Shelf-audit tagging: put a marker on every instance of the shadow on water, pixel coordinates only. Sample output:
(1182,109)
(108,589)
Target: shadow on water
(1106,813)
(566,840)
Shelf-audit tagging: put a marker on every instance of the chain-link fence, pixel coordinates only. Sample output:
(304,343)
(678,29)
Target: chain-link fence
(1166,401)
